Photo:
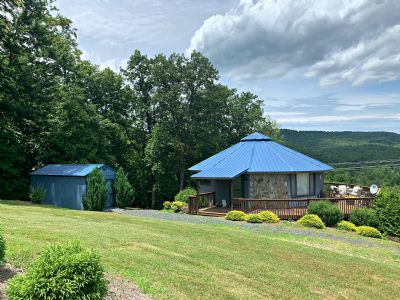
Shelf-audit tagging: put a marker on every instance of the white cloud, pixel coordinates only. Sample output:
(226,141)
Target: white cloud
(335,41)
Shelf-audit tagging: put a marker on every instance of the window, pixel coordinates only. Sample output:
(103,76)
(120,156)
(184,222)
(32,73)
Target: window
(302,184)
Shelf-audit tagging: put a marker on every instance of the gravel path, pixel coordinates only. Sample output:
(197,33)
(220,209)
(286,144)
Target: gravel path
(279,228)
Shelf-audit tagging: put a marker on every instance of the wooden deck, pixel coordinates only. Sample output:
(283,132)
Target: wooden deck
(287,209)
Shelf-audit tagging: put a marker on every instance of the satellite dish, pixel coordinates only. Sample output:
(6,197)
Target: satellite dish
(373,189)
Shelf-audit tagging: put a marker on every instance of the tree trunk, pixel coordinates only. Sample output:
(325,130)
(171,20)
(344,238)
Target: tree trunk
(181,178)
(153,196)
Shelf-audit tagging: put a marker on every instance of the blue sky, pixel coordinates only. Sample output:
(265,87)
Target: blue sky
(317,64)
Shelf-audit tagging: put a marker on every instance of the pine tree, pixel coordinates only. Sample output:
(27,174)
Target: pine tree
(123,189)
(96,191)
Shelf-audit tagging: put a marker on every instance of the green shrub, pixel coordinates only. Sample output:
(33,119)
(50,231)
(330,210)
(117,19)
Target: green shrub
(254,218)
(269,217)
(37,194)
(311,220)
(329,213)
(183,195)
(235,215)
(347,226)
(387,207)
(167,205)
(2,247)
(123,190)
(369,232)
(177,205)
(96,191)
(61,272)
(364,217)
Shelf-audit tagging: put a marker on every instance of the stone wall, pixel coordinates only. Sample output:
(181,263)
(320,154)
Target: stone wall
(268,186)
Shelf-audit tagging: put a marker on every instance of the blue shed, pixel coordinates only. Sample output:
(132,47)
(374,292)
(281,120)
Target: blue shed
(65,185)
(259,168)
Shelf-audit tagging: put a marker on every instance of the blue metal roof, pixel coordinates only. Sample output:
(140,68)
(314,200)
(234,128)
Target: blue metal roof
(220,173)
(67,170)
(256,153)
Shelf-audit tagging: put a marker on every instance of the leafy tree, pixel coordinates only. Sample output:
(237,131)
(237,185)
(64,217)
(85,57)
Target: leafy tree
(387,207)
(96,191)
(155,118)
(123,189)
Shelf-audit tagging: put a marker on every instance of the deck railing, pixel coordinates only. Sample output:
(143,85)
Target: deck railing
(201,200)
(296,208)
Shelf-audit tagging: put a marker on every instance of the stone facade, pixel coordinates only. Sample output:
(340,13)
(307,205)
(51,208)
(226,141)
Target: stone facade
(268,186)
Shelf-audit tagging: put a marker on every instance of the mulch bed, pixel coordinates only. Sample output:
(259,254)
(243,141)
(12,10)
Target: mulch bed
(119,288)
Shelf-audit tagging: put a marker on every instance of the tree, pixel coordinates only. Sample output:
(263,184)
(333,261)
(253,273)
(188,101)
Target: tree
(123,189)
(96,191)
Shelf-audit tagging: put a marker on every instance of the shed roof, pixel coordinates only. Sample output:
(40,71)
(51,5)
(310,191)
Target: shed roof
(67,170)
(256,153)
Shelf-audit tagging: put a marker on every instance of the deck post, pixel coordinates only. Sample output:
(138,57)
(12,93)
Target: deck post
(231,193)
(197,196)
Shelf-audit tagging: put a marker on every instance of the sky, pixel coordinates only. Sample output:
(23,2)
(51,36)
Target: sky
(317,64)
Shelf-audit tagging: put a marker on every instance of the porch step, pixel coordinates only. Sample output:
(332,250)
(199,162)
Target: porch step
(211,214)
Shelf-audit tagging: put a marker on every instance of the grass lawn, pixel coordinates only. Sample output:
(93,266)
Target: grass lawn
(176,260)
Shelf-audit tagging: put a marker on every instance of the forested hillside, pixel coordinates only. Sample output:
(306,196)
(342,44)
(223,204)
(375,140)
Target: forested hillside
(155,118)
(358,157)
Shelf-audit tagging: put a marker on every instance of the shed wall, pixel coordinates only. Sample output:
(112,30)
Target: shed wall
(63,191)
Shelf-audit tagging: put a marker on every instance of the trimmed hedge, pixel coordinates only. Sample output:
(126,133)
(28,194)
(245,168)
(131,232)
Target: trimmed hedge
(254,218)
(177,205)
(369,231)
(235,215)
(96,191)
(329,213)
(346,226)
(167,205)
(387,207)
(311,220)
(2,246)
(61,272)
(268,216)
(123,189)
(364,217)
(37,194)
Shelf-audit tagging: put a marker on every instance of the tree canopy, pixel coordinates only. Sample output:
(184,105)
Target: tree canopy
(155,117)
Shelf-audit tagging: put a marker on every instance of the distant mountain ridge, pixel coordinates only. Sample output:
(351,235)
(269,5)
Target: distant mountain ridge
(344,146)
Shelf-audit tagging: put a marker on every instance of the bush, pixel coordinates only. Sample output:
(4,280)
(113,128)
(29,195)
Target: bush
(254,218)
(311,220)
(347,226)
(177,205)
(2,247)
(235,215)
(167,205)
(387,207)
(269,217)
(364,217)
(37,194)
(123,190)
(183,195)
(96,191)
(369,232)
(61,272)
(329,213)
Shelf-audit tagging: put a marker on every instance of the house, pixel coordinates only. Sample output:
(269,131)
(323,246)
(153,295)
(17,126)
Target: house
(258,168)
(65,185)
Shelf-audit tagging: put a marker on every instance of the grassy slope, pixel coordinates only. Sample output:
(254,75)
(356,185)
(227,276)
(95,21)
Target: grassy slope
(182,260)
